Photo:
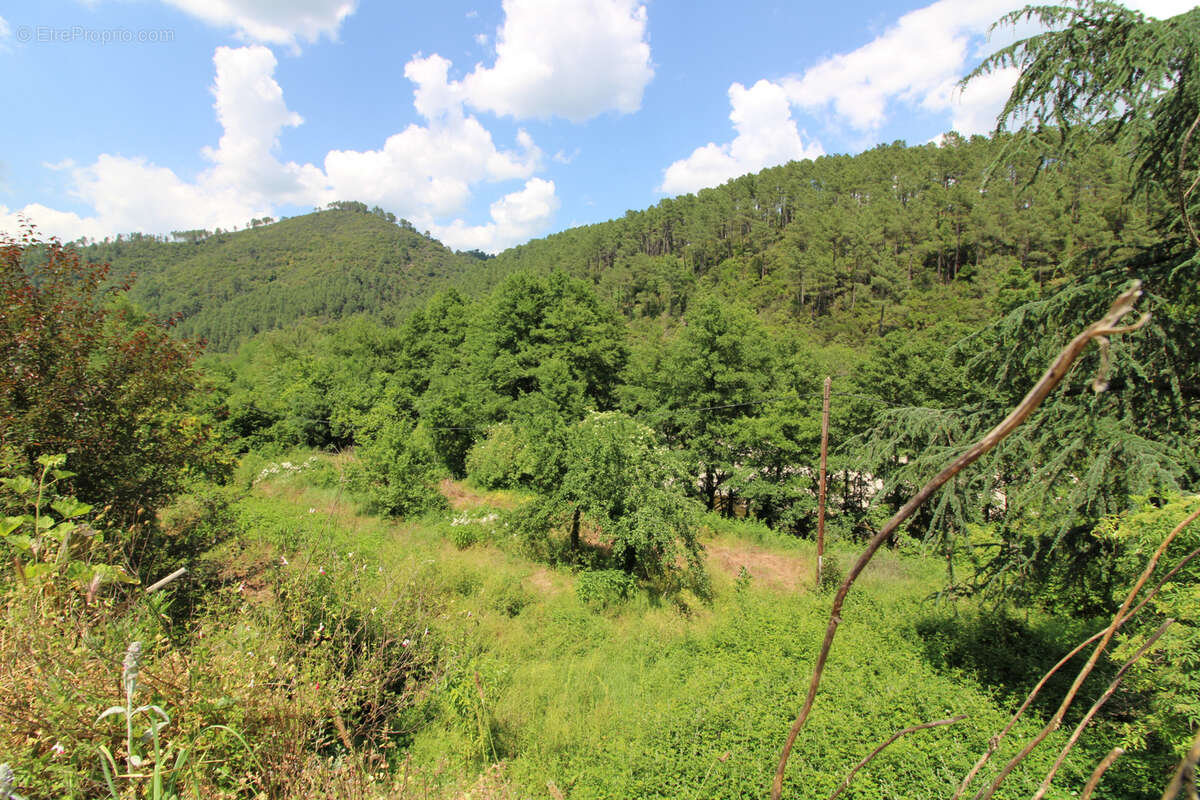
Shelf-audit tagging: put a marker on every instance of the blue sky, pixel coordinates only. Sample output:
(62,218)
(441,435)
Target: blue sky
(486,123)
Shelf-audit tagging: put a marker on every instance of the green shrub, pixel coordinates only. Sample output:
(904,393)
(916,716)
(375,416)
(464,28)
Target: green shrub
(462,536)
(510,598)
(498,461)
(604,588)
(831,573)
(82,372)
(396,471)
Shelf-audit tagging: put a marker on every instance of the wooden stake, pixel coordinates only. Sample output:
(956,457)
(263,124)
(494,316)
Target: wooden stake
(821,486)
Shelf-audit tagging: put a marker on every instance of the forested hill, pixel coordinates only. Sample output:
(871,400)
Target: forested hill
(227,286)
(891,238)
(894,238)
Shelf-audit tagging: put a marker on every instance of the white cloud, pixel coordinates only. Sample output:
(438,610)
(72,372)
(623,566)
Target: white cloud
(246,178)
(5,33)
(766,136)
(515,218)
(425,173)
(918,61)
(428,171)
(272,21)
(568,58)
(251,110)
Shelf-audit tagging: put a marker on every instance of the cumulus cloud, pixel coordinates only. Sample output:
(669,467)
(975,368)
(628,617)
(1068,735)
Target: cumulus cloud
(573,59)
(271,21)
(250,107)
(919,61)
(425,172)
(515,218)
(766,136)
(246,178)
(5,33)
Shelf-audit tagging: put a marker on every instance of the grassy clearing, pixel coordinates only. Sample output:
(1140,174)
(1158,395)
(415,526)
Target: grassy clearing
(541,692)
(366,658)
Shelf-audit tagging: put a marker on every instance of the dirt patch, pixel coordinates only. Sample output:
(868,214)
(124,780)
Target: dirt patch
(543,582)
(779,571)
(462,497)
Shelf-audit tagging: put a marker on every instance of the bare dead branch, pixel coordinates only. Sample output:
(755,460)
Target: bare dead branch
(994,743)
(1105,326)
(1185,772)
(154,587)
(1096,706)
(1098,773)
(1118,620)
(902,732)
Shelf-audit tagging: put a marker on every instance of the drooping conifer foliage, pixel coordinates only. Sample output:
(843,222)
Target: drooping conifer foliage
(1107,75)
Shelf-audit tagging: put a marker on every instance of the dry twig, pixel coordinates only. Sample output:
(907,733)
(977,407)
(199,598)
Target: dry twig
(1098,773)
(1185,773)
(1091,713)
(994,743)
(1118,620)
(1107,325)
(902,732)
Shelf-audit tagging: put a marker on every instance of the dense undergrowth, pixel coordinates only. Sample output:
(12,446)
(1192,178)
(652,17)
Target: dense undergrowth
(361,657)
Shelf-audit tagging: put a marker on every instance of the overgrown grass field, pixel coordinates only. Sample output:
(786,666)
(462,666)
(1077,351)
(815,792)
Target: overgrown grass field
(362,657)
(582,690)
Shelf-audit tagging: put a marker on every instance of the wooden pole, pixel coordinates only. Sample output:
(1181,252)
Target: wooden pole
(821,485)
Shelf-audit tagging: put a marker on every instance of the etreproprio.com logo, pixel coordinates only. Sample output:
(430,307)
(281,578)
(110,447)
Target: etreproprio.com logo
(80,34)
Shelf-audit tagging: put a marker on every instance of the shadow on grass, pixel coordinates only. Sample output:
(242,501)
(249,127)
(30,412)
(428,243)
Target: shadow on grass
(1010,654)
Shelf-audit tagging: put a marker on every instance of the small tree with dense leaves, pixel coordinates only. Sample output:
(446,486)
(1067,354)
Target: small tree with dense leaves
(83,374)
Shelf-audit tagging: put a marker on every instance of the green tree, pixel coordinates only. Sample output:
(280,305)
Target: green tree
(619,478)
(1108,75)
(1112,73)
(716,369)
(84,374)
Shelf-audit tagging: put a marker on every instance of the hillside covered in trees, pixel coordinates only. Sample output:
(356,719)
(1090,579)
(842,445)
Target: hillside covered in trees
(427,524)
(226,286)
(895,238)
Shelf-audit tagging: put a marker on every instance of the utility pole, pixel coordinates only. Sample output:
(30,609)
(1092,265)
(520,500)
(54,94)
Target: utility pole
(821,485)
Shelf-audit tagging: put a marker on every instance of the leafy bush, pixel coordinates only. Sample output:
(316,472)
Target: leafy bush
(396,471)
(510,598)
(604,588)
(831,573)
(84,375)
(500,460)
(51,546)
(462,536)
